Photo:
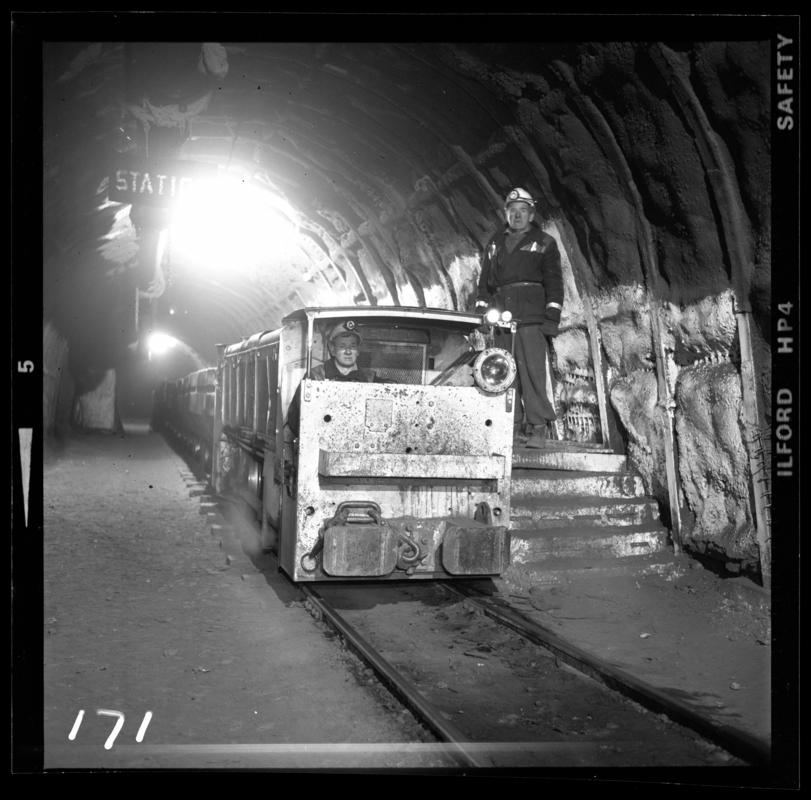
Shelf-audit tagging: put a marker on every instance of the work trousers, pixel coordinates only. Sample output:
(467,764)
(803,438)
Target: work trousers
(533,385)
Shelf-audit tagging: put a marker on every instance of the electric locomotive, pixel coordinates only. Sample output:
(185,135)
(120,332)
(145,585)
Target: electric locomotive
(406,476)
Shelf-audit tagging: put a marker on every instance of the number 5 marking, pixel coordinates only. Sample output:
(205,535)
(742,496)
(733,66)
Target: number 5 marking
(25,366)
(103,712)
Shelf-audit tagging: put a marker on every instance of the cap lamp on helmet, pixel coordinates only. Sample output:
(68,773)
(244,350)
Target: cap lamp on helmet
(344,330)
(519,195)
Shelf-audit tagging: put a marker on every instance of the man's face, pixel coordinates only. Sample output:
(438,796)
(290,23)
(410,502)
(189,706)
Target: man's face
(344,350)
(519,215)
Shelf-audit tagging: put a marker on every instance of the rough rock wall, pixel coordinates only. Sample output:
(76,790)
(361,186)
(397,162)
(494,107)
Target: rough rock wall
(609,147)
(714,468)
(57,384)
(96,409)
(634,396)
(713,461)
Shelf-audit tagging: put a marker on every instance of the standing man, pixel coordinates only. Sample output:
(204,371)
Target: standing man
(521,273)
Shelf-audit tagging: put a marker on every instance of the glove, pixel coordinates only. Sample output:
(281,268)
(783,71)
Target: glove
(480,305)
(551,323)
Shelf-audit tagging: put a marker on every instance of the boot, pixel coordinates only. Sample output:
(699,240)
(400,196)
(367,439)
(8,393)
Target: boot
(538,437)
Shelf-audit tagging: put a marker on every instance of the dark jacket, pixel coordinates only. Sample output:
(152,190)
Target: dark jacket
(329,371)
(534,263)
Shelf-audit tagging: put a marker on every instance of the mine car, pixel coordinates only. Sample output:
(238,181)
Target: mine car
(183,410)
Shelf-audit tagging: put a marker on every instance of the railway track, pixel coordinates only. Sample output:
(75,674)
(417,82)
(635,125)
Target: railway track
(398,683)
(502,692)
(513,693)
(736,742)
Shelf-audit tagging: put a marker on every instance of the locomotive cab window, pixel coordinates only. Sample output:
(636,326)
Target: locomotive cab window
(395,354)
(407,354)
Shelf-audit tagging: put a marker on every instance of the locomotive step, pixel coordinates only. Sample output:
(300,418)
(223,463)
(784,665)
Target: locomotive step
(577,544)
(569,445)
(554,569)
(558,483)
(560,459)
(566,512)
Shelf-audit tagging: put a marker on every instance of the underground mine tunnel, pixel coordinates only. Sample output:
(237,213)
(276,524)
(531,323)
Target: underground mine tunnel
(372,174)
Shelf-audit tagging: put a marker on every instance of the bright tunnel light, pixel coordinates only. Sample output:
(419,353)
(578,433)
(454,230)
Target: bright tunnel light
(232,224)
(160,343)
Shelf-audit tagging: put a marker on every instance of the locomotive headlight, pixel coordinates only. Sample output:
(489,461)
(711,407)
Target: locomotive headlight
(506,316)
(494,370)
(492,316)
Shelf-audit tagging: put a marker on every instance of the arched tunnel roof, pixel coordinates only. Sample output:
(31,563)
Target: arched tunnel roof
(389,162)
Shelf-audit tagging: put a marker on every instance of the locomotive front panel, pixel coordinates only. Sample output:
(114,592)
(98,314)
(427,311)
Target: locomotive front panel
(401,481)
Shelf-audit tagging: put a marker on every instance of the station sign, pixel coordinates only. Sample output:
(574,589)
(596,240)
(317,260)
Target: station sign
(156,183)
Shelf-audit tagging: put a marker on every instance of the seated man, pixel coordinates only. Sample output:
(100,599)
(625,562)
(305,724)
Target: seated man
(344,347)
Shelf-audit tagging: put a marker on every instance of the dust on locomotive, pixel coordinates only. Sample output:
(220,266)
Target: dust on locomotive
(406,477)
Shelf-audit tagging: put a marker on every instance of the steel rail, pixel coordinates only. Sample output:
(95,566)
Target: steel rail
(737,742)
(398,684)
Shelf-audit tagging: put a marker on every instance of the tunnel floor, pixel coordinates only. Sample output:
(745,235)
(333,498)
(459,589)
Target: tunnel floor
(148,610)
(145,610)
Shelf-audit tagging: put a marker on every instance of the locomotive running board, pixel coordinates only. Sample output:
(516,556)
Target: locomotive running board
(335,464)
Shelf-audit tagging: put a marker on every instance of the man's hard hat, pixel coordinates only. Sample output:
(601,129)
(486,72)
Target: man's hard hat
(519,195)
(344,329)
